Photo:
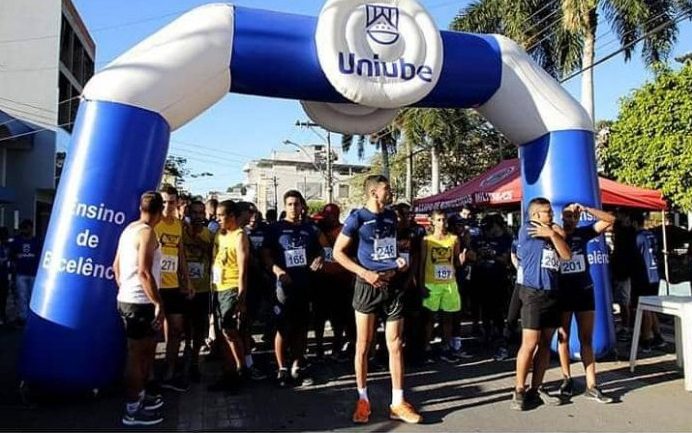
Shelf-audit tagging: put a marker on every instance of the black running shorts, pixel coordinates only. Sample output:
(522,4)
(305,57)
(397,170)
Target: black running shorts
(387,302)
(539,308)
(138,320)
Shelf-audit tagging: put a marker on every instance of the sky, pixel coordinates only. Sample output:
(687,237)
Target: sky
(240,128)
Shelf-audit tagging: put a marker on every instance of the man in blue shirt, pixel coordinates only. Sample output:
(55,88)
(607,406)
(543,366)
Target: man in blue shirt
(645,281)
(540,247)
(25,250)
(293,250)
(378,289)
(577,296)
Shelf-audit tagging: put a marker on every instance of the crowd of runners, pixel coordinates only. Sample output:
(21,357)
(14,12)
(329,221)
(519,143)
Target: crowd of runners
(215,274)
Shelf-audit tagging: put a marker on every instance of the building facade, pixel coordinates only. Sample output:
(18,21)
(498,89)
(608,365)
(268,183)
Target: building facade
(46,58)
(302,169)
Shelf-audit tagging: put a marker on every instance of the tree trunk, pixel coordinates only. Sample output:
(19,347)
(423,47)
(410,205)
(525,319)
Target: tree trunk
(385,159)
(435,162)
(587,86)
(409,172)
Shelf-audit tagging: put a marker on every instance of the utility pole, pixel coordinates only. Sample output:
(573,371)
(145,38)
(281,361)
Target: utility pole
(276,194)
(328,140)
(330,185)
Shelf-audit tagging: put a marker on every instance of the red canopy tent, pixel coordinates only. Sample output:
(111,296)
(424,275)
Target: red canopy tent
(501,186)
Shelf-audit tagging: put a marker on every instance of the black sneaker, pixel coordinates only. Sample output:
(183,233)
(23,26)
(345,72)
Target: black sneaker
(283,380)
(177,384)
(596,395)
(518,400)
(152,402)
(567,387)
(540,396)
(142,417)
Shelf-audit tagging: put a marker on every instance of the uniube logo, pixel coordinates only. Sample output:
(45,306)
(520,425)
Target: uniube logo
(382,24)
(350,64)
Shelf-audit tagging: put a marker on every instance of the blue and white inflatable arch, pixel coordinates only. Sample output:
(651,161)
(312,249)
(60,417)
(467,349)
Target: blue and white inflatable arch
(352,68)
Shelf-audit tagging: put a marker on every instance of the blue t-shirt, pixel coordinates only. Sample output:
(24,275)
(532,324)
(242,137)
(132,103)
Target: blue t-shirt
(646,267)
(293,247)
(539,262)
(375,235)
(574,273)
(257,236)
(24,252)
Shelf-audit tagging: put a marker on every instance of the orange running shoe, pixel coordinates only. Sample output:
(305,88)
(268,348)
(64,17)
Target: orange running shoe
(405,412)
(362,413)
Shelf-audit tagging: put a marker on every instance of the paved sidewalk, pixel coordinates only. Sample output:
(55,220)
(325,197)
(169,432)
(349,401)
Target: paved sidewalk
(473,396)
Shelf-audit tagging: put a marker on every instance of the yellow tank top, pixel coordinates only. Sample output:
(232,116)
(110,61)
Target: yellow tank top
(225,268)
(198,250)
(439,259)
(170,237)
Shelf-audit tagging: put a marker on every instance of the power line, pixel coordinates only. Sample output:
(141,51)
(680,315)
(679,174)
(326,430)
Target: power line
(96,30)
(36,131)
(677,19)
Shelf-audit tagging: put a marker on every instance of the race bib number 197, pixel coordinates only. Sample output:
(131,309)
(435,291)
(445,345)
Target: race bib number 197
(443,272)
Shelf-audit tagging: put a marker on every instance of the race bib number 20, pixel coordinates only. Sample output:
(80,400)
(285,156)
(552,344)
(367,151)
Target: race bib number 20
(549,260)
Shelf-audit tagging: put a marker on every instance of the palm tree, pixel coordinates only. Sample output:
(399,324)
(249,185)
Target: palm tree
(384,140)
(561,34)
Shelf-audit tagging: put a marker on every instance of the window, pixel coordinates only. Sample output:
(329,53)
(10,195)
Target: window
(66,36)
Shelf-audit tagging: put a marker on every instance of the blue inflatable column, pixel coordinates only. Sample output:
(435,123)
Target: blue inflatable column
(74,338)
(561,166)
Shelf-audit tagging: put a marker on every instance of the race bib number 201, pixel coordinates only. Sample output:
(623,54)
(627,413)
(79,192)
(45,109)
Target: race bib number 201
(574,266)
(384,249)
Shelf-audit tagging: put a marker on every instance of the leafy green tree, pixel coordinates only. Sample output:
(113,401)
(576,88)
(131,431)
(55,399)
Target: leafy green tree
(561,35)
(650,143)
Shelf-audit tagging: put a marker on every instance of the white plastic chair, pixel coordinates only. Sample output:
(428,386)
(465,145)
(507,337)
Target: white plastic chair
(681,308)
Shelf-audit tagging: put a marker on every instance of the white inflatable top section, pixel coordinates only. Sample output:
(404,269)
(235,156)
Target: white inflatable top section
(178,72)
(529,102)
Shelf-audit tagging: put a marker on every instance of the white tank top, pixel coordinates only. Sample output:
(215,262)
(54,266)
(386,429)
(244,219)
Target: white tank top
(131,290)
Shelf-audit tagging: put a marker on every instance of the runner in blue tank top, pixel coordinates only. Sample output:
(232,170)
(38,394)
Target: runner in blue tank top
(576,295)
(378,290)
